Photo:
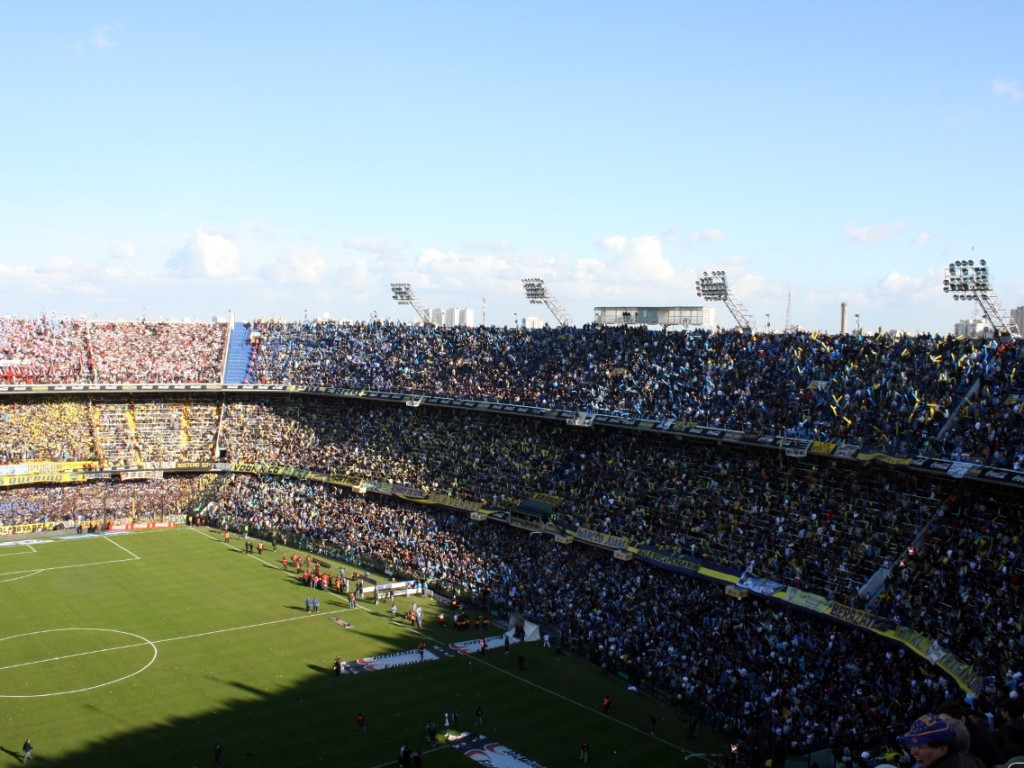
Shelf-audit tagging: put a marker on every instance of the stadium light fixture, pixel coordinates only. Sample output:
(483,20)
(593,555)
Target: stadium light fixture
(966,281)
(403,294)
(538,293)
(715,287)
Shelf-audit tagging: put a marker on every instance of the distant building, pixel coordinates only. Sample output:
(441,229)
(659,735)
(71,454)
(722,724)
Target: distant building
(1017,315)
(451,317)
(975,328)
(532,322)
(667,317)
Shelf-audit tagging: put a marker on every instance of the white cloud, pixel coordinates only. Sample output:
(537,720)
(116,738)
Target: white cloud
(60,265)
(638,259)
(263,232)
(388,249)
(498,246)
(357,273)
(206,254)
(300,265)
(1009,88)
(899,286)
(590,270)
(14,276)
(922,239)
(707,236)
(123,250)
(101,38)
(64,276)
(897,282)
(459,270)
(873,234)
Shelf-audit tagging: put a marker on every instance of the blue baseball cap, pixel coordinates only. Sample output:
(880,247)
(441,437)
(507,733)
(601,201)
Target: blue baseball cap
(927,729)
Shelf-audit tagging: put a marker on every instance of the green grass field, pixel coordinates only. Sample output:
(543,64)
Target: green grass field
(149,648)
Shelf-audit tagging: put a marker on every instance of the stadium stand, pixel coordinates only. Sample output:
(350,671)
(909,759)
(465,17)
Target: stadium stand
(872,516)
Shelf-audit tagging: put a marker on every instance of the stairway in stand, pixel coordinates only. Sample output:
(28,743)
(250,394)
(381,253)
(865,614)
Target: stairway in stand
(239,354)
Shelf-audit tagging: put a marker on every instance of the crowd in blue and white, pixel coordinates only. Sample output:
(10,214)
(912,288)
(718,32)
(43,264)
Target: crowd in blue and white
(891,392)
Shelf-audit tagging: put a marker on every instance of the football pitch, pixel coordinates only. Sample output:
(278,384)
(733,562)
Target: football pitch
(151,648)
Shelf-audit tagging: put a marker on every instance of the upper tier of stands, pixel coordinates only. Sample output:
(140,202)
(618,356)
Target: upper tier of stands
(906,395)
(64,350)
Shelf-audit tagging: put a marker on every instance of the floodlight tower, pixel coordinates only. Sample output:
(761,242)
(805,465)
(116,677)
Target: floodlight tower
(538,293)
(968,281)
(403,294)
(715,287)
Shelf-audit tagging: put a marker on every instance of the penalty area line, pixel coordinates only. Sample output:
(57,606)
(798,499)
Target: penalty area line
(119,545)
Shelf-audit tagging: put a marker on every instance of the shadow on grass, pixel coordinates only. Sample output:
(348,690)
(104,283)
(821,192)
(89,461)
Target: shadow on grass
(307,718)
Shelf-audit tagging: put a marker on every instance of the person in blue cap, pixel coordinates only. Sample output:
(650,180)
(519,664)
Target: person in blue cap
(932,744)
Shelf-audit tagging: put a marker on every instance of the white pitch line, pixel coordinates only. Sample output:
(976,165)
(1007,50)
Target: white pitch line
(166,640)
(78,565)
(72,656)
(22,547)
(34,571)
(119,545)
(248,626)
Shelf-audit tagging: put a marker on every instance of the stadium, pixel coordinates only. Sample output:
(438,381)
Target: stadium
(777,547)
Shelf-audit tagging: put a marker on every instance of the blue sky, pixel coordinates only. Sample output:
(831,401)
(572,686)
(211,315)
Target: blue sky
(290,159)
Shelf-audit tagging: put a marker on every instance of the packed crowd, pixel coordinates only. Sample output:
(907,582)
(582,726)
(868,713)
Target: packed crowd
(50,429)
(970,565)
(115,431)
(73,504)
(48,350)
(784,679)
(907,395)
(821,525)
(56,349)
(131,431)
(827,526)
(892,392)
(156,352)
